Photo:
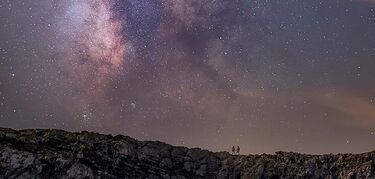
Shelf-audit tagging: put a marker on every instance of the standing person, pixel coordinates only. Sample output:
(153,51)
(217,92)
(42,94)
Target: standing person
(233,150)
(238,150)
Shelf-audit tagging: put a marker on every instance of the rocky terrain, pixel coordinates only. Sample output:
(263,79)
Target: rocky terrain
(60,154)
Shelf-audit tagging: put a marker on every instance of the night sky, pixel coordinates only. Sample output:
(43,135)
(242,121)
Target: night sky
(270,75)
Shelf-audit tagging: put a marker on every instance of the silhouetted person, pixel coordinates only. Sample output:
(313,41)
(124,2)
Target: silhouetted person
(233,150)
(238,150)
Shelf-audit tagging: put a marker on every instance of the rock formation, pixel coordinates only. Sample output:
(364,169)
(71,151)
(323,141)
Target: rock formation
(60,154)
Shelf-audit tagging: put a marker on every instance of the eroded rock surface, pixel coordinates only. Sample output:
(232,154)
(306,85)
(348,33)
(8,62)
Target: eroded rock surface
(60,154)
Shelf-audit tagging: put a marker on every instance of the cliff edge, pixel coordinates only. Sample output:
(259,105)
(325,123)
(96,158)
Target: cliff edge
(60,154)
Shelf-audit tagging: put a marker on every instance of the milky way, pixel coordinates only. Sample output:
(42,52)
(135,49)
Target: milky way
(95,35)
(265,75)
(97,53)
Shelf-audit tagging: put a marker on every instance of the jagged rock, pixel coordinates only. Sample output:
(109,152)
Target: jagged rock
(78,170)
(166,163)
(60,154)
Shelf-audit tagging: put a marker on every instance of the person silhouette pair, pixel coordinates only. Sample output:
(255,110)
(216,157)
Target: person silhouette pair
(236,151)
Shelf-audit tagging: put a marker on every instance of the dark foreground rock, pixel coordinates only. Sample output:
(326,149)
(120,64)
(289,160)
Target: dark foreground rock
(60,154)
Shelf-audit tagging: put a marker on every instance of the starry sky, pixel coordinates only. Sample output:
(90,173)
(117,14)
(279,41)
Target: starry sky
(292,75)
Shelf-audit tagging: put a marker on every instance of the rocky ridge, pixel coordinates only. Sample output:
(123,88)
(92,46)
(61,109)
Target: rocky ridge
(60,154)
